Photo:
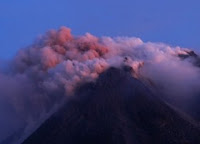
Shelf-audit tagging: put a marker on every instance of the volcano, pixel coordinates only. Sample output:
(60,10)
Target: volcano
(116,109)
(73,89)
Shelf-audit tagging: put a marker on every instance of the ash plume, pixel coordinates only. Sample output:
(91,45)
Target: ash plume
(43,75)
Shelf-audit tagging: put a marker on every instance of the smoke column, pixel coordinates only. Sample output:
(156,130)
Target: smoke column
(40,77)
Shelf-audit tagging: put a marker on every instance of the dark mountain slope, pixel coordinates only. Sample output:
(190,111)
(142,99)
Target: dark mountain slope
(116,109)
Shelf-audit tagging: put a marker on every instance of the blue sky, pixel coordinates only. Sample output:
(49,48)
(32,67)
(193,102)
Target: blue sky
(176,22)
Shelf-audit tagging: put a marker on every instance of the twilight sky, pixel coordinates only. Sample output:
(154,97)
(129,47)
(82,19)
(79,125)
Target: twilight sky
(176,22)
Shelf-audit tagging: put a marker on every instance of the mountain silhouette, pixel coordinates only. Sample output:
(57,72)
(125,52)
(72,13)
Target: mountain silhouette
(116,109)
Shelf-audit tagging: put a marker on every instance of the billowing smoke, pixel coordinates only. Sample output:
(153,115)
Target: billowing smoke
(44,75)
